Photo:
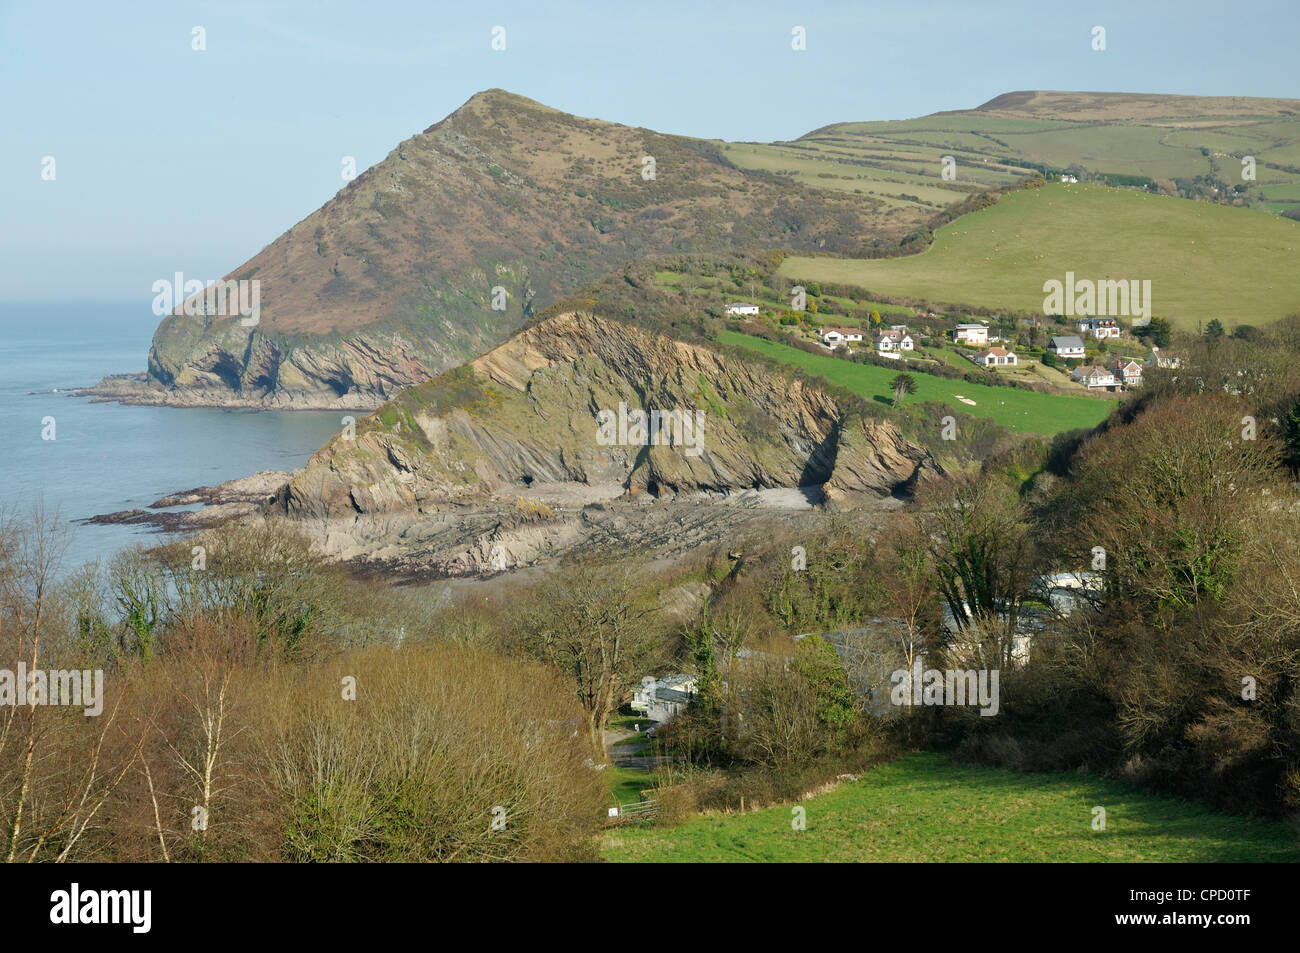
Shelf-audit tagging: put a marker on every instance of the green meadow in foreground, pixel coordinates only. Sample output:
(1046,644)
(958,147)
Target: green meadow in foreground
(923,807)
(1020,410)
(1203,260)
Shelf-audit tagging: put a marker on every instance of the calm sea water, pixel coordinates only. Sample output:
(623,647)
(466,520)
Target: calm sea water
(108,457)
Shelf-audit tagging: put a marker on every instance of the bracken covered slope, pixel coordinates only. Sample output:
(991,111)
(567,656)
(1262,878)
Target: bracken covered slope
(391,281)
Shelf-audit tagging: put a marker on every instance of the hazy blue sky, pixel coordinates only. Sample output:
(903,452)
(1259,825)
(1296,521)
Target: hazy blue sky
(170,159)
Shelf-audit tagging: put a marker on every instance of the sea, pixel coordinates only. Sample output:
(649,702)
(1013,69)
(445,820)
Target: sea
(106,457)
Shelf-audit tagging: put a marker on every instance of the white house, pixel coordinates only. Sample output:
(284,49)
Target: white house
(663,699)
(970,334)
(1130,372)
(890,342)
(1099,327)
(1067,346)
(1067,591)
(834,337)
(996,357)
(741,309)
(1091,375)
(1072,179)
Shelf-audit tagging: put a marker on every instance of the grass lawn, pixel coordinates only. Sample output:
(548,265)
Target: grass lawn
(1203,260)
(923,807)
(1019,410)
(626,784)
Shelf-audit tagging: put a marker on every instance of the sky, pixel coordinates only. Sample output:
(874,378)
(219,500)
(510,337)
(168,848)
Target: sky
(169,158)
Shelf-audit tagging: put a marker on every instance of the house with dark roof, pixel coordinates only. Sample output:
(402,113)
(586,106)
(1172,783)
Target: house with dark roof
(1066,346)
(663,699)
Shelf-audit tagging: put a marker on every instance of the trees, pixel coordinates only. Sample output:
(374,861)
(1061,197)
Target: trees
(1157,331)
(1291,434)
(597,626)
(1173,528)
(1213,331)
(815,659)
(981,547)
(902,385)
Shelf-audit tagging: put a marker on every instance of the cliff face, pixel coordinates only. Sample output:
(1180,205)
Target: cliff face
(392,280)
(529,413)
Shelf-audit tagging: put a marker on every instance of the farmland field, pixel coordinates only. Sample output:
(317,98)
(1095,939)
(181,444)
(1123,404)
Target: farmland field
(898,162)
(1019,410)
(924,807)
(1204,261)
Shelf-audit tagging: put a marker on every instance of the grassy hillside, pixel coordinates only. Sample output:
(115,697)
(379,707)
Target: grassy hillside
(1189,144)
(1019,410)
(1204,261)
(923,807)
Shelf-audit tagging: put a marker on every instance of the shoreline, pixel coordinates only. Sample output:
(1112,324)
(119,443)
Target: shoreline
(133,390)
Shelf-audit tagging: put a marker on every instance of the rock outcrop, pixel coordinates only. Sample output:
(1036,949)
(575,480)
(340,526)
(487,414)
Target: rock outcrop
(510,449)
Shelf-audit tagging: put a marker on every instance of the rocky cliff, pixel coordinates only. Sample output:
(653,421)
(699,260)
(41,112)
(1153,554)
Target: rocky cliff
(501,449)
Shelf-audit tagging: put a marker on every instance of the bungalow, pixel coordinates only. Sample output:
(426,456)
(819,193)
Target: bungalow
(1129,372)
(1067,346)
(1156,359)
(1091,375)
(741,308)
(1099,327)
(663,699)
(970,334)
(996,357)
(834,337)
(894,340)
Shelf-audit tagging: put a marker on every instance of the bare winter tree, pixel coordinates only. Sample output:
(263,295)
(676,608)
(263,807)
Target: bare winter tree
(597,626)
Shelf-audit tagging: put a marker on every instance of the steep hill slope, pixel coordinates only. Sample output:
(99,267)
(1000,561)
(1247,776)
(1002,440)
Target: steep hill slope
(392,280)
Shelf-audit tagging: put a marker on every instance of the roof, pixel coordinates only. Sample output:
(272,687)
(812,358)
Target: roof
(742,304)
(972,327)
(1067,340)
(995,351)
(1091,370)
(672,695)
(669,680)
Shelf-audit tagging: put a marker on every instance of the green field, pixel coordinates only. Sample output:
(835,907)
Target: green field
(898,162)
(1019,410)
(923,807)
(1204,261)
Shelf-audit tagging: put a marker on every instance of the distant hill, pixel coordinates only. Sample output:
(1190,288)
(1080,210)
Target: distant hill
(1191,146)
(1104,107)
